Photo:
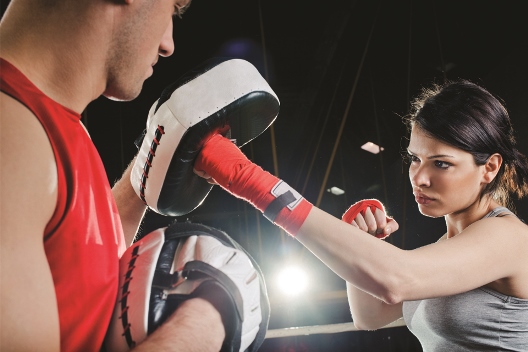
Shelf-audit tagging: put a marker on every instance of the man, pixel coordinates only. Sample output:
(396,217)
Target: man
(61,230)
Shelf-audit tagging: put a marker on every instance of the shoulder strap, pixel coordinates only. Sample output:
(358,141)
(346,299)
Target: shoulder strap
(499,212)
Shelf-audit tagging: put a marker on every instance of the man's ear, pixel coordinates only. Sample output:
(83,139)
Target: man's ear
(492,167)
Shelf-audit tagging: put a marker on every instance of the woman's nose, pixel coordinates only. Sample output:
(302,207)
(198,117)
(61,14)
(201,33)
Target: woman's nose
(419,176)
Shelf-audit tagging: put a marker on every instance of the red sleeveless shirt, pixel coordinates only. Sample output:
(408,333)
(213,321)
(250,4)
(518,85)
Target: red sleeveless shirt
(84,239)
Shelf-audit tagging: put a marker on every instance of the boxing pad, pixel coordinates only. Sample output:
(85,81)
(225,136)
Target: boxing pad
(221,96)
(183,261)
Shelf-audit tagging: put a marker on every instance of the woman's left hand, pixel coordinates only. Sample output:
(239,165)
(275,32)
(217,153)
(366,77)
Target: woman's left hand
(376,223)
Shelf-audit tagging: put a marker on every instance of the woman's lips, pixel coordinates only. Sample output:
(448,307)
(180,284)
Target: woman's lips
(421,199)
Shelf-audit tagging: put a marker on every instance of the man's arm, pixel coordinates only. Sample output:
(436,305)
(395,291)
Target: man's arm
(131,208)
(29,318)
(196,326)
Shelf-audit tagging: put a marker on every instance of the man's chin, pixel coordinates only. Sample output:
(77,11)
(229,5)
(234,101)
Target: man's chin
(121,94)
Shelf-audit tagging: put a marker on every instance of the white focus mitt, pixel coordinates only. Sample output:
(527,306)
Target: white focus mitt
(221,96)
(184,261)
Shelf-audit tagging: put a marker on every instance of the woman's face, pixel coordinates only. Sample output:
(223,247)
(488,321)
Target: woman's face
(444,179)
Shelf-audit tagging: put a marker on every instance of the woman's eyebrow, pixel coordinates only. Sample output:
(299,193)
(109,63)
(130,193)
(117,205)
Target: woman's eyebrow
(440,156)
(433,156)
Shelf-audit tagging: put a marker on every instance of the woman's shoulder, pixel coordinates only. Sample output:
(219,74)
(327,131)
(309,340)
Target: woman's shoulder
(506,225)
(508,236)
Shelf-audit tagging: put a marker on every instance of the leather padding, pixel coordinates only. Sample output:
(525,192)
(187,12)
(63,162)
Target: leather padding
(184,230)
(221,96)
(186,260)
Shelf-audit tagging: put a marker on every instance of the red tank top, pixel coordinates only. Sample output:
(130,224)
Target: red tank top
(84,238)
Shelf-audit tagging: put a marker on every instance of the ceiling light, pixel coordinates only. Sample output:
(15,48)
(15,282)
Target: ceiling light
(372,147)
(336,190)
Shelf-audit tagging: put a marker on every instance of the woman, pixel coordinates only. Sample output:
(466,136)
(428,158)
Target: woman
(466,292)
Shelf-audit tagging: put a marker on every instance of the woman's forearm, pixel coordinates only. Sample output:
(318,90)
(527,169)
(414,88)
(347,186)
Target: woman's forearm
(363,260)
(369,312)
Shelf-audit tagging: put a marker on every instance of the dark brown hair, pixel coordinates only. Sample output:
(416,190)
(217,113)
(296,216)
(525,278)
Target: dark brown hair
(466,116)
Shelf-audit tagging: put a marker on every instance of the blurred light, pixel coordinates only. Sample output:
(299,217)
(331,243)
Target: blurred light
(249,50)
(372,147)
(292,281)
(336,190)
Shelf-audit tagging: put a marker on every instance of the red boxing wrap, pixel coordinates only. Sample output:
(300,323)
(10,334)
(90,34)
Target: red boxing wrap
(361,207)
(234,172)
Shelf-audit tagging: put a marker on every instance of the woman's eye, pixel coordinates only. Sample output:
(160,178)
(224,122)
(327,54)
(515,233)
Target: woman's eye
(409,159)
(412,159)
(442,164)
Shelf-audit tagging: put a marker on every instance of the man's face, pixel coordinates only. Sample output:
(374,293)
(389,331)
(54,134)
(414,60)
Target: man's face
(144,34)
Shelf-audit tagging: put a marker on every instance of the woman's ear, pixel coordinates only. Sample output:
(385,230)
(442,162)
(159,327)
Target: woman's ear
(492,167)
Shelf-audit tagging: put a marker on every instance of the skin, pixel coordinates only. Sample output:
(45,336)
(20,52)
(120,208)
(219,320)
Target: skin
(446,186)
(84,49)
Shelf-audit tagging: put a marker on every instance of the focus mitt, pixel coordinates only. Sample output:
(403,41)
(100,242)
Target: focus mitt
(221,96)
(184,261)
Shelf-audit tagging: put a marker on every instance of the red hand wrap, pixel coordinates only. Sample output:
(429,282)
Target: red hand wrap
(361,207)
(234,172)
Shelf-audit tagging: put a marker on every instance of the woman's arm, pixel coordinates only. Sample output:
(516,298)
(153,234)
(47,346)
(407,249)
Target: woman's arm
(369,312)
(448,267)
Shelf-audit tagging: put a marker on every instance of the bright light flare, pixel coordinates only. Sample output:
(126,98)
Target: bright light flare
(292,281)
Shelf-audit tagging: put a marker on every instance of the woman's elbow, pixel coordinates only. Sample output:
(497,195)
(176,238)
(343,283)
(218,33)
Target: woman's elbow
(392,297)
(394,290)
(364,326)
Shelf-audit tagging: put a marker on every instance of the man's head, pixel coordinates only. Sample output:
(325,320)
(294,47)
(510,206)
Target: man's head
(142,32)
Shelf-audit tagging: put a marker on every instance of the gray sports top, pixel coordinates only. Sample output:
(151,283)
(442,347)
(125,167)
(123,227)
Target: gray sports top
(478,320)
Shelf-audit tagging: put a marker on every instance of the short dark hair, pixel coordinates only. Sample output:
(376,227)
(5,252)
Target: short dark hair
(179,11)
(467,116)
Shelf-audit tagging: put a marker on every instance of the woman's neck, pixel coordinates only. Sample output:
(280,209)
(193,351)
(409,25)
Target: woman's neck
(456,222)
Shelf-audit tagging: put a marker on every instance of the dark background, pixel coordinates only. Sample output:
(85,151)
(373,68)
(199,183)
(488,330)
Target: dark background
(327,61)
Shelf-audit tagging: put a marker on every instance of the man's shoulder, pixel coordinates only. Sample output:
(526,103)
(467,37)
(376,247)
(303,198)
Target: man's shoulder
(12,111)
(24,142)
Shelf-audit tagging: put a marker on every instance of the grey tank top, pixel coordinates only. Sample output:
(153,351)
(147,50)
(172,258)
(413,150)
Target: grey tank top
(478,320)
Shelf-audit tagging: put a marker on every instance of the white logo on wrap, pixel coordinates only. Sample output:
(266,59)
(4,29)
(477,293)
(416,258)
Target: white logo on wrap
(282,187)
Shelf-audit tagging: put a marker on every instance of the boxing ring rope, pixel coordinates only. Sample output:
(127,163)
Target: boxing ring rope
(321,329)
(347,109)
